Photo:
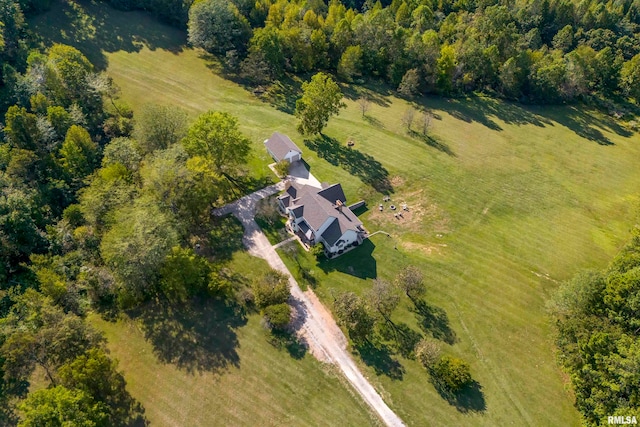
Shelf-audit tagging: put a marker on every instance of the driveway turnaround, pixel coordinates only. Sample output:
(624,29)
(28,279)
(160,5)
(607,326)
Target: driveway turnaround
(316,325)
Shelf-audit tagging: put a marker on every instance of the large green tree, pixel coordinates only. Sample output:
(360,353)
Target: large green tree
(60,406)
(352,313)
(630,77)
(95,374)
(158,127)
(215,137)
(136,246)
(38,333)
(321,98)
(217,26)
(78,153)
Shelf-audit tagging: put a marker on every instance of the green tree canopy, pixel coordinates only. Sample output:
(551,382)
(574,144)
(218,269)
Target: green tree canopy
(78,153)
(630,77)
(410,281)
(36,332)
(278,315)
(183,274)
(59,406)
(95,374)
(271,289)
(321,98)
(452,373)
(158,127)
(352,313)
(217,26)
(215,136)
(136,246)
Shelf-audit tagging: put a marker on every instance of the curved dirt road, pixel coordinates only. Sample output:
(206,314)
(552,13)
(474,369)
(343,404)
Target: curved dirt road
(324,338)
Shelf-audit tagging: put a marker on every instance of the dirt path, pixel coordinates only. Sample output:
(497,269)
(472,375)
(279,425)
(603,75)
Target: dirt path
(316,325)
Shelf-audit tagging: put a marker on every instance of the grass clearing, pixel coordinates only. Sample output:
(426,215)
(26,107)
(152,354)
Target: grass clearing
(508,200)
(203,364)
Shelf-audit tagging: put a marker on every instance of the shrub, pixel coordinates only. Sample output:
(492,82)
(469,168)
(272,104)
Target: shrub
(317,250)
(427,352)
(278,315)
(282,168)
(272,289)
(452,373)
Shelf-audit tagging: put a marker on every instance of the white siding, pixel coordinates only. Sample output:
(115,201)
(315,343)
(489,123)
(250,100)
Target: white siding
(348,237)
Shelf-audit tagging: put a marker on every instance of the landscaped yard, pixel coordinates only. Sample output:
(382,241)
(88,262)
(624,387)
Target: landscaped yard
(504,202)
(205,364)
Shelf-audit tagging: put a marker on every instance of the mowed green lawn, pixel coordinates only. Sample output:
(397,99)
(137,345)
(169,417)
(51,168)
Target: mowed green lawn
(205,366)
(505,202)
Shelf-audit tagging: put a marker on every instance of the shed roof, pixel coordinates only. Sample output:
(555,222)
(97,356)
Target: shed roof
(280,144)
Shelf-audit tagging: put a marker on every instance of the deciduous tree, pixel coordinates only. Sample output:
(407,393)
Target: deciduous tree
(136,246)
(352,313)
(217,26)
(383,299)
(215,137)
(60,406)
(410,281)
(271,289)
(452,373)
(78,153)
(158,127)
(320,100)
(278,315)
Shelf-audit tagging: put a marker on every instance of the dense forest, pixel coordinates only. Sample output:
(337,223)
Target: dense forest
(96,213)
(597,315)
(548,51)
(101,212)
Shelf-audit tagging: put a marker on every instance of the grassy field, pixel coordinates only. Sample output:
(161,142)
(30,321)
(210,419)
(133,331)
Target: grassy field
(204,364)
(505,201)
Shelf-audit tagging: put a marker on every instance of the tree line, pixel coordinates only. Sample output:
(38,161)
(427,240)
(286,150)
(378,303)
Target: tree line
(546,51)
(597,318)
(100,212)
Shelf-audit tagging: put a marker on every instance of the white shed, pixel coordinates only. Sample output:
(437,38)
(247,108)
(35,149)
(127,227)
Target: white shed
(281,147)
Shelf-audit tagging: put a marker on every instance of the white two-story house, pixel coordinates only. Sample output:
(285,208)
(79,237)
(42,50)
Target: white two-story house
(320,215)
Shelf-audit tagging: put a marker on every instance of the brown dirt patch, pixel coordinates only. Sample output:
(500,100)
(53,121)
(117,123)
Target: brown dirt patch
(423,215)
(425,249)
(397,181)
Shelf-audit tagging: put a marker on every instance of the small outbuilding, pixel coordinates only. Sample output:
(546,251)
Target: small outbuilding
(281,147)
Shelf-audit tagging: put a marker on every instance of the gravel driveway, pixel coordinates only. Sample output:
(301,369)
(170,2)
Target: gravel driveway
(321,333)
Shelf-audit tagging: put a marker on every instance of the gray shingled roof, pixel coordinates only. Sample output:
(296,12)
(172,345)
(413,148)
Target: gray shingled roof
(332,233)
(280,144)
(316,206)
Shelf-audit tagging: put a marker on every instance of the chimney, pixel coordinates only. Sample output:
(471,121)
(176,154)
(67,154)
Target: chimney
(339,205)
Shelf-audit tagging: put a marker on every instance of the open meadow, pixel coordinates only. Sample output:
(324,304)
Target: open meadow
(505,202)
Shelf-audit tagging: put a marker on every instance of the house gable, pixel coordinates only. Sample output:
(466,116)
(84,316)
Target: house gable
(322,216)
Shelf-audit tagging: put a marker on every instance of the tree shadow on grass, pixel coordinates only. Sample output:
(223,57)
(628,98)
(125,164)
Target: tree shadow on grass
(373,122)
(224,238)
(482,109)
(94,27)
(469,399)
(581,119)
(433,141)
(358,262)
(379,357)
(376,93)
(197,336)
(287,340)
(403,338)
(362,165)
(587,124)
(434,320)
